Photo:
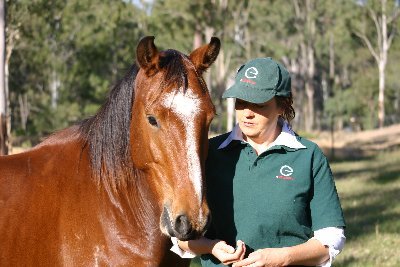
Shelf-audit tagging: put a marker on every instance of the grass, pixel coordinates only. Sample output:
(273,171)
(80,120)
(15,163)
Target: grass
(369,189)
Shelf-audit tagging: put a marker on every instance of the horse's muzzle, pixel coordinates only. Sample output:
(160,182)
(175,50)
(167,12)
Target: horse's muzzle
(180,226)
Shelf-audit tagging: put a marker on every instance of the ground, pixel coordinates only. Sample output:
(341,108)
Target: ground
(358,144)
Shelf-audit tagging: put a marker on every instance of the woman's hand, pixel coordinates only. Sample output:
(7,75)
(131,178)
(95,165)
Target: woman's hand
(227,254)
(268,257)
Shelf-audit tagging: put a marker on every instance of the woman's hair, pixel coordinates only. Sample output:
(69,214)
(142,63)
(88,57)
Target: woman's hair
(286,103)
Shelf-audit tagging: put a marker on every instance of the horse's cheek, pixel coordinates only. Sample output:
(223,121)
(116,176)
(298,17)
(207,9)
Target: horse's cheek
(140,151)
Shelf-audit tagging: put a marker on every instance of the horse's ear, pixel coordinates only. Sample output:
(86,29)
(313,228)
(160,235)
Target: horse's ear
(147,55)
(205,55)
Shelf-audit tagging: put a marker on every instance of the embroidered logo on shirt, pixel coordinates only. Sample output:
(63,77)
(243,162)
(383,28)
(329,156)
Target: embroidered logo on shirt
(286,172)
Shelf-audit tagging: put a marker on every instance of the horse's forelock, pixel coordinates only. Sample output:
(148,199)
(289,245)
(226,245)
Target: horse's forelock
(177,67)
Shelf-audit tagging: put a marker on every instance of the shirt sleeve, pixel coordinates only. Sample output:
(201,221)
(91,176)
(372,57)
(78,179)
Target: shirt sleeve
(182,253)
(334,239)
(325,205)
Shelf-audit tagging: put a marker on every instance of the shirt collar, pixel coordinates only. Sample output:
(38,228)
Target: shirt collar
(286,138)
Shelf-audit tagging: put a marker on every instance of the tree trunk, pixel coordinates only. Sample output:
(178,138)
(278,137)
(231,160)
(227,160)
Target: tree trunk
(24,110)
(384,41)
(310,86)
(197,38)
(3,99)
(306,26)
(230,109)
(54,87)
(309,65)
(309,123)
(382,66)
(381,95)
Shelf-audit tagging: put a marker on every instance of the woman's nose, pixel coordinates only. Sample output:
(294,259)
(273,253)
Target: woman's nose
(248,112)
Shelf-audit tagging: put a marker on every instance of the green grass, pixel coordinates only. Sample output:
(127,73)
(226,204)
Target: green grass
(369,190)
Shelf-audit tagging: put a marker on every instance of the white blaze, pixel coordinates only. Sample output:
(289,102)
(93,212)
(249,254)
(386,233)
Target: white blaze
(186,107)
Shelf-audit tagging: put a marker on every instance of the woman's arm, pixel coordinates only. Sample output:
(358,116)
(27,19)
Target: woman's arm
(201,246)
(310,253)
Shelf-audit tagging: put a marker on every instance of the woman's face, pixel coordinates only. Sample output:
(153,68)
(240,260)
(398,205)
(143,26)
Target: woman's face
(258,121)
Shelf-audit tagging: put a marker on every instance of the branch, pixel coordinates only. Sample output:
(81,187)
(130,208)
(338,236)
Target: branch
(373,16)
(296,8)
(369,45)
(394,16)
(391,36)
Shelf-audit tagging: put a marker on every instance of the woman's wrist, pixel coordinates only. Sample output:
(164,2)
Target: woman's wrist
(286,256)
(199,246)
(204,245)
(311,252)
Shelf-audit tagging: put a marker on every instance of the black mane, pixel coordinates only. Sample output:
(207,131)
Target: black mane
(107,133)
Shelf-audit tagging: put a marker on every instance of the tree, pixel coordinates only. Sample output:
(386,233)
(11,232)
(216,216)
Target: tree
(385,25)
(3,95)
(66,58)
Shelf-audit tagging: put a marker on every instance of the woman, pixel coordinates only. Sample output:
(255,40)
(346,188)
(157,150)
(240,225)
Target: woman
(271,192)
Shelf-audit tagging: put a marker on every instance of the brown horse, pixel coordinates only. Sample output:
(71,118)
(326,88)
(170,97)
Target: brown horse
(112,190)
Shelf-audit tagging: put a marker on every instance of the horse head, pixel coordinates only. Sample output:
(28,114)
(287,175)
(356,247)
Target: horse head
(172,112)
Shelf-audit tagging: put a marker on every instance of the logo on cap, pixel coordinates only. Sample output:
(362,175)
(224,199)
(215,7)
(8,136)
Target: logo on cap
(250,73)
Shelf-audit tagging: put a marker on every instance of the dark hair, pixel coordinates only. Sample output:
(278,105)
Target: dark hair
(286,102)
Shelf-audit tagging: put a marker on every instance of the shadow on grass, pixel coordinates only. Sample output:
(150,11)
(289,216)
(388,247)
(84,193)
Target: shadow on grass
(373,214)
(387,176)
(348,173)
(385,173)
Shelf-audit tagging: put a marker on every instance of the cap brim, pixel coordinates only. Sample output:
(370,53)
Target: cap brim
(252,95)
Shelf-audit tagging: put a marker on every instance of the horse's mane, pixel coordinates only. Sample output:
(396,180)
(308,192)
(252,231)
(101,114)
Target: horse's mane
(107,133)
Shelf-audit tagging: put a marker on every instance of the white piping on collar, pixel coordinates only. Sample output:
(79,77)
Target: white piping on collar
(286,138)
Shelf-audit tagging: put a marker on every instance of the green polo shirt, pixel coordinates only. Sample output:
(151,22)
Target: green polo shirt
(275,199)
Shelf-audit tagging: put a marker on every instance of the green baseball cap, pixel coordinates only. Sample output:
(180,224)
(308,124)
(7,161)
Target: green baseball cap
(259,80)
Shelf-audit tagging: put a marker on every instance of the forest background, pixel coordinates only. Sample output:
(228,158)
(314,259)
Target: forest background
(62,57)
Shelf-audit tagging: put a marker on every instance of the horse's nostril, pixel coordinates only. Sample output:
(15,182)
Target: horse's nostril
(182,225)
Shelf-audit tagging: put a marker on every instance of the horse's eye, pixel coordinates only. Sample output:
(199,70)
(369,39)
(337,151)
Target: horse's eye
(153,121)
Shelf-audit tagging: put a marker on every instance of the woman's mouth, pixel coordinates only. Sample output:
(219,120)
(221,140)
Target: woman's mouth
(248,124)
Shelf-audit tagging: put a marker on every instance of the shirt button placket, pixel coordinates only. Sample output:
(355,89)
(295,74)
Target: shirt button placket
(250,154)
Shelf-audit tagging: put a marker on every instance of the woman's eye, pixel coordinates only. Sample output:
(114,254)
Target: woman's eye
(239,105)
(153,121)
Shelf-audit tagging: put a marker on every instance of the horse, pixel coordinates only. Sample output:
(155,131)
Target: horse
(113,189)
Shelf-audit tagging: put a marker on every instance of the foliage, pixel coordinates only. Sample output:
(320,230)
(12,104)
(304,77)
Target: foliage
(79,49)
(66,55)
